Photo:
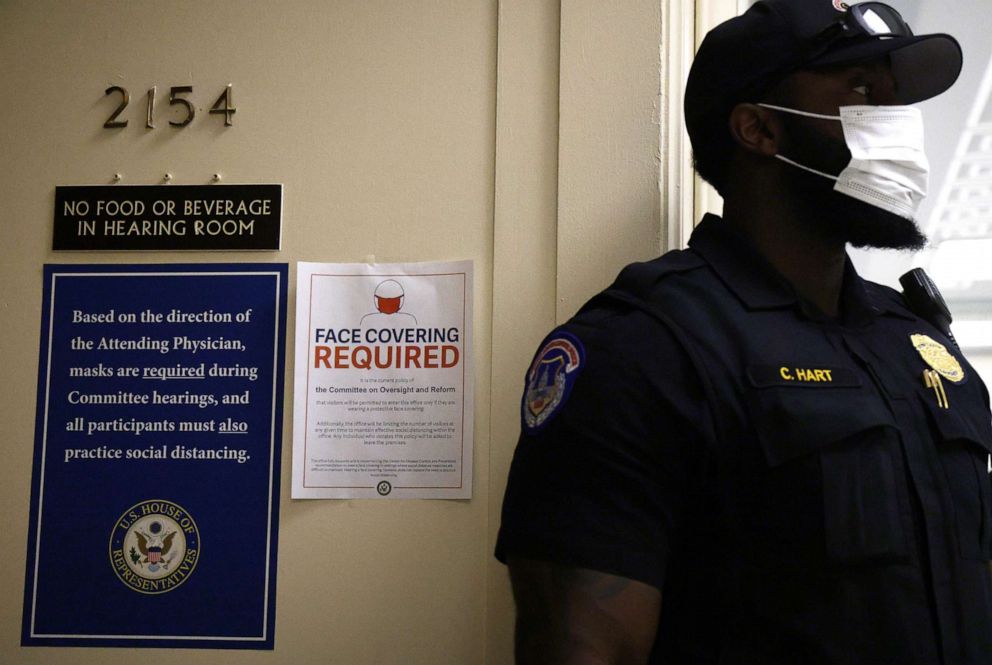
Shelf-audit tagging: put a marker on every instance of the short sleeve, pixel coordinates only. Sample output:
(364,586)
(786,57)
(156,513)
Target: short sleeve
(600,481)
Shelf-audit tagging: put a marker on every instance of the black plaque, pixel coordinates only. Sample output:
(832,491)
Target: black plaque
(184,217)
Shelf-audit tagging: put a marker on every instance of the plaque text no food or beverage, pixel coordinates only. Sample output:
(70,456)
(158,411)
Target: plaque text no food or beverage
(168,217)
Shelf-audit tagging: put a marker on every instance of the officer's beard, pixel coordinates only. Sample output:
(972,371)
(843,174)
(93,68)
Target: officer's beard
(831,215)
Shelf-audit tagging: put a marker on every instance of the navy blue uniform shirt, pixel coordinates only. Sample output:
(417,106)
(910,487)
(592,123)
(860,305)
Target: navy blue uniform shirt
(801,489)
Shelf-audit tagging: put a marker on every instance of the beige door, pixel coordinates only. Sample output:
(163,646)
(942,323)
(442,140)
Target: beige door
(525,135)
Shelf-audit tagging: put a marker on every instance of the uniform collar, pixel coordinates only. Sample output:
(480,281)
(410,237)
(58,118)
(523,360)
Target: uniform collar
(757,284)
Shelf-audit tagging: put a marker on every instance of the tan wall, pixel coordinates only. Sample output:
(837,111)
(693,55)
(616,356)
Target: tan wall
(609,158)
(405,129)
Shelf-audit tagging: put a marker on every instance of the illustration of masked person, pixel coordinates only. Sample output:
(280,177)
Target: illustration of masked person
(389,298)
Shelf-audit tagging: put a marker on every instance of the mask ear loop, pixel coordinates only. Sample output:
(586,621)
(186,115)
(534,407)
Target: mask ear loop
(808,115)
(807,168)
(797,112)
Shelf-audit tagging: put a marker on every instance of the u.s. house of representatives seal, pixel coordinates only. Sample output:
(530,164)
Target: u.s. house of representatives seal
(154,546)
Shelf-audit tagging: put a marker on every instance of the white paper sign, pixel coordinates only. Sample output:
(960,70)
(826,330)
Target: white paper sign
(383,399)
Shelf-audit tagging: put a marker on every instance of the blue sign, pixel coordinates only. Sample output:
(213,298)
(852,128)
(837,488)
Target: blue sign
(155,494)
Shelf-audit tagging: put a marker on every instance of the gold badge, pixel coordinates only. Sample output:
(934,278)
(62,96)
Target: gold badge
(937,356)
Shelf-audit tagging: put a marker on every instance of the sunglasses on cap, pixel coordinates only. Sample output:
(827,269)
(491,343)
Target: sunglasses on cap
(863,20)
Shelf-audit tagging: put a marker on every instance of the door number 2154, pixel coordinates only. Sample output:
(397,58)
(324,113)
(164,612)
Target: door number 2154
(222,105)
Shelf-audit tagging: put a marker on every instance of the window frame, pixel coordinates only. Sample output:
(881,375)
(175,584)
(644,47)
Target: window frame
(686,197)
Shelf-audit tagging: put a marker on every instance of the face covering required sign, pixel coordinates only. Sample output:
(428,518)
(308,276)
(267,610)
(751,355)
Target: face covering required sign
(383,381)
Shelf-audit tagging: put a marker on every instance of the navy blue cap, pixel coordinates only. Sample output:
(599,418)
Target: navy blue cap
(745,56)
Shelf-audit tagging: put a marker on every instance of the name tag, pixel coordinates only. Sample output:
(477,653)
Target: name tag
(804,375)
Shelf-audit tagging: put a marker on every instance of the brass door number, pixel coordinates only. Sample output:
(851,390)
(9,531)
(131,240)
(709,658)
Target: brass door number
(177,97)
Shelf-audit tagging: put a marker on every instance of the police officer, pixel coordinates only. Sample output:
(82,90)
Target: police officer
(743,452)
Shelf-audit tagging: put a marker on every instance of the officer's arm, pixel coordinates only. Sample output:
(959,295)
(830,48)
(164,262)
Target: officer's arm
(569,615)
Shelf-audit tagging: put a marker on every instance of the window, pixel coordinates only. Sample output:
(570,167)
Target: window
(957,214)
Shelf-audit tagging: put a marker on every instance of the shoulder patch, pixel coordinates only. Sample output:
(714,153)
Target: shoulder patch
(550,379)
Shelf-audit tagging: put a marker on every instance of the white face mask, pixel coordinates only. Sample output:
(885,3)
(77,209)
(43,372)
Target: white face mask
(888,168)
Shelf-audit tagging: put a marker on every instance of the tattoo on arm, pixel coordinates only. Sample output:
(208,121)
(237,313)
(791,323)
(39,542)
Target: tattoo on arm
(575,615)
(600,586)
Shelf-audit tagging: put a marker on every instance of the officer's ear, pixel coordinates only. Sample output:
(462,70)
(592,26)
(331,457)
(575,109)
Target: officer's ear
(756,130)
